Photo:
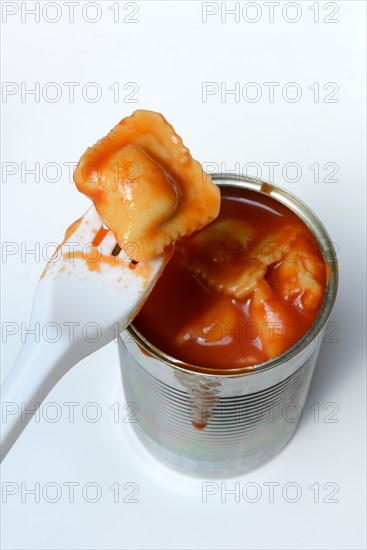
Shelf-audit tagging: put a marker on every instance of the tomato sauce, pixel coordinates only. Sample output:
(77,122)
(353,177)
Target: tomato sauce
(240,291)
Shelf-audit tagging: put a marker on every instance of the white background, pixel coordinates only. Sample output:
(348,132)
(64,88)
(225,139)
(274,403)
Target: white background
(168,54)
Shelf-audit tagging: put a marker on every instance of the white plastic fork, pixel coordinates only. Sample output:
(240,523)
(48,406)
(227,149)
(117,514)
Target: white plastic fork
(80,306)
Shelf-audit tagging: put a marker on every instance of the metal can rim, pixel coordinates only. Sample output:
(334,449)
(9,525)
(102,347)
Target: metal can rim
(306,214)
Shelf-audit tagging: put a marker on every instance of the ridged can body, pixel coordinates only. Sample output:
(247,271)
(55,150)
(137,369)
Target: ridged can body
(224,424)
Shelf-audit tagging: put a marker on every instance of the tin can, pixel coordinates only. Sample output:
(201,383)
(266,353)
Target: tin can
(249,414)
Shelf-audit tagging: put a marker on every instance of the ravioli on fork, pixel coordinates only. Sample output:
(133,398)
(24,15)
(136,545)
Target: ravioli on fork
(145,185)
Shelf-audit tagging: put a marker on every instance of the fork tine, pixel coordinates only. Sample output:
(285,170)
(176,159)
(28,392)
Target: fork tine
(100,235)
(116,250)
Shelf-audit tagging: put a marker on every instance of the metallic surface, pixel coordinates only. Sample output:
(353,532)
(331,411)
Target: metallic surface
(209,424)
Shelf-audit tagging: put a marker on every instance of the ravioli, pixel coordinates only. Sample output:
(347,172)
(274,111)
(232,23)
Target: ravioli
(298,282)
(145,185)
(227,258)
(299,270)
(276,247)
(273,321)
(219,255)
(219,323)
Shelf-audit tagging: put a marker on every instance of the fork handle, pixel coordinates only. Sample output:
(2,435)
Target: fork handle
(36,371)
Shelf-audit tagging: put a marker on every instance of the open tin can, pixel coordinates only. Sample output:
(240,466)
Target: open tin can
(249,414)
